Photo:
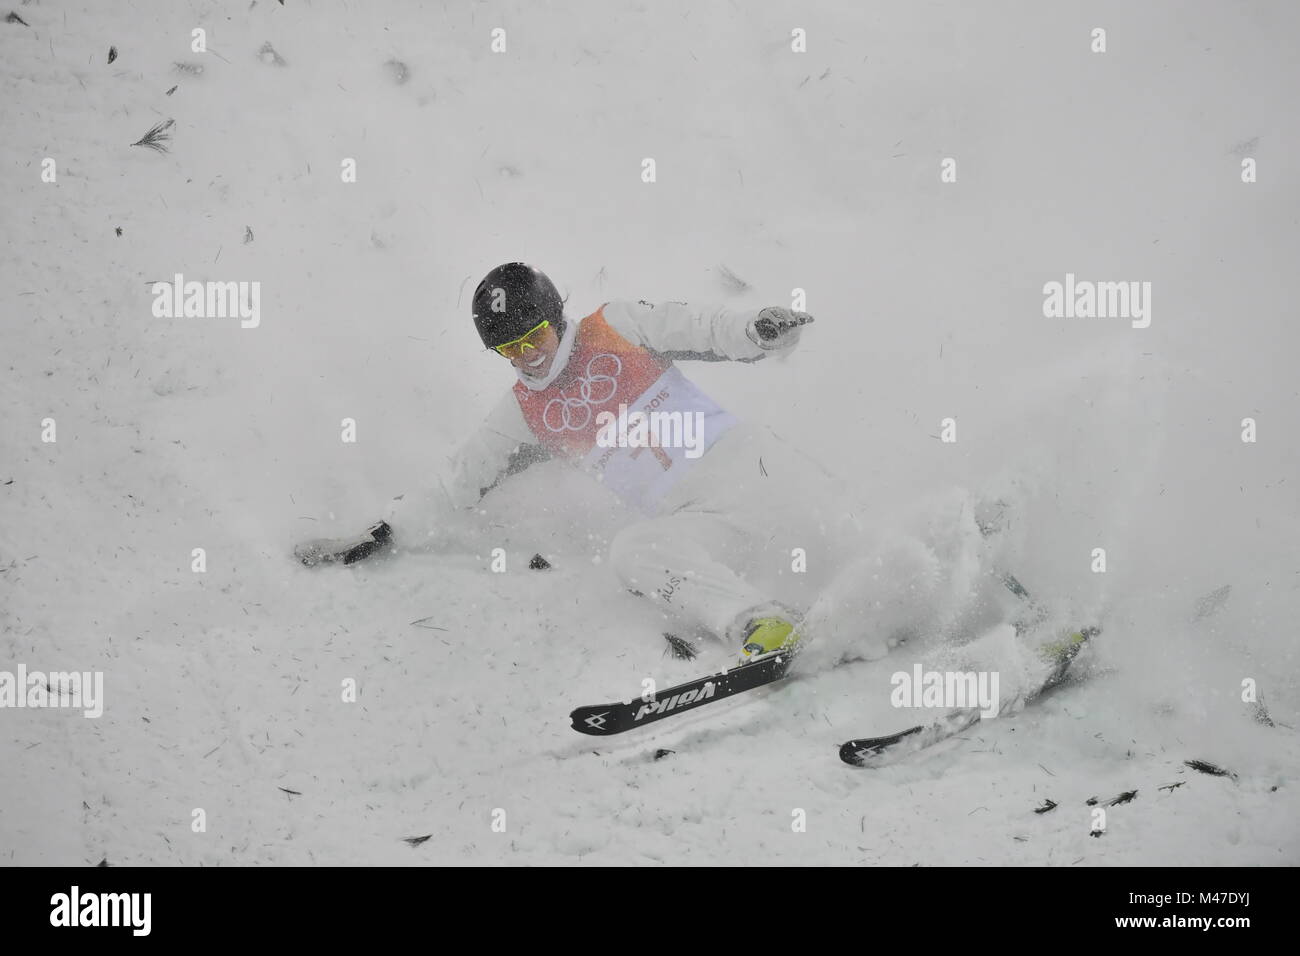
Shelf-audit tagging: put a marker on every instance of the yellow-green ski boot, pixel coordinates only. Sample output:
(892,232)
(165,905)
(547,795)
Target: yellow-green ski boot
(1060,652)
(763,635)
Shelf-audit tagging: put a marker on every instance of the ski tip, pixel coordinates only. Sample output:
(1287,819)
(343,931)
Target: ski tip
(864,751)
(859,753)
(595,721)
(851,755)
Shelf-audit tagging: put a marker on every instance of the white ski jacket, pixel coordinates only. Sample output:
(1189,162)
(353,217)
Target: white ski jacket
(505,444)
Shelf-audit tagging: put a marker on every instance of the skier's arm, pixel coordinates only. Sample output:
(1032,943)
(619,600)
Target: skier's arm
(679,331)
(501,446)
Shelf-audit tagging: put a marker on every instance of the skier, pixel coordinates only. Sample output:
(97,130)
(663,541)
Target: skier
(724,504)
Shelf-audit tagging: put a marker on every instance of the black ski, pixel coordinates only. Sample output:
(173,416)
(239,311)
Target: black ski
(601,720)
(877,751)
(871,750)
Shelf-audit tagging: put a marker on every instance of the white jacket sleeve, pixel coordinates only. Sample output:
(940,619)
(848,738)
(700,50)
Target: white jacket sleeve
(679,331)
(501,445)
(492,452)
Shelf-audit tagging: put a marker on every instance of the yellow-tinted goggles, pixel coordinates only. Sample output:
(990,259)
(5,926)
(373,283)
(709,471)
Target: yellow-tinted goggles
(518,346)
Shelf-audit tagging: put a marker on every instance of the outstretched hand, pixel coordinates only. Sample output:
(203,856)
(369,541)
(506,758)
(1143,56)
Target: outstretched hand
(319,551)
(328,550)
(778,328)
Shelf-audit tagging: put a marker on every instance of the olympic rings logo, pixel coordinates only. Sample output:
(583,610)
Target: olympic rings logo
(574,413)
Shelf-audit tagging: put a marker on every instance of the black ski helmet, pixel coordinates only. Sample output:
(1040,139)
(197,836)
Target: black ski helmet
(513,299)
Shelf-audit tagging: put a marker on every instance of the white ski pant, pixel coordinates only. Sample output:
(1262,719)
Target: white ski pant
(755,526)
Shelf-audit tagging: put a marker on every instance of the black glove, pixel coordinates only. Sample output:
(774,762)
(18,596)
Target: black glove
(777,328)
(346,551)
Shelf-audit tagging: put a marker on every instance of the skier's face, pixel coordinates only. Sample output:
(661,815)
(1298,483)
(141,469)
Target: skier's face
(535,359)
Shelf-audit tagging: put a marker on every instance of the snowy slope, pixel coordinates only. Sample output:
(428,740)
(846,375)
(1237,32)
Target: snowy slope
(815,170)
